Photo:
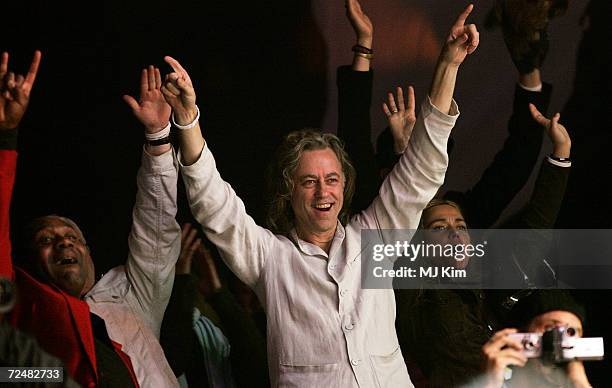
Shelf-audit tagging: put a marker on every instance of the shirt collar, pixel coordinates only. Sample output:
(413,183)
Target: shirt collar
(314,250)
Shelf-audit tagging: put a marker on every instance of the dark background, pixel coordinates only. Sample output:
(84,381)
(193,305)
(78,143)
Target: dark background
(261,69)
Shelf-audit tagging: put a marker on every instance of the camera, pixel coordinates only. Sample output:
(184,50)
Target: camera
(560,345)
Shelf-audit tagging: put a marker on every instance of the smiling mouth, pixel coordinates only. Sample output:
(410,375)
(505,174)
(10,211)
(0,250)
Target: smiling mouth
(324,207)
(66,261)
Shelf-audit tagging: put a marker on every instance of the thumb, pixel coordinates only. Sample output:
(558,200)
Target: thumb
(131,102)
(459,41)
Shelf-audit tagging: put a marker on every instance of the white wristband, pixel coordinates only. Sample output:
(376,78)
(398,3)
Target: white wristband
(537,88)
(191,124)
(158,135)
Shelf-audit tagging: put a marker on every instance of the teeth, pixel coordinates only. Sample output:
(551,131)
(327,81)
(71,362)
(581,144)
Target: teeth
(323,206)
(66,260)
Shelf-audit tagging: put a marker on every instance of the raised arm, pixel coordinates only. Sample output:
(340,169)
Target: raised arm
(154,240)
(543,207)
(14,99)
(462,40)
(417,176)
(354,102)
(364,32)
(513,164)
(214,204)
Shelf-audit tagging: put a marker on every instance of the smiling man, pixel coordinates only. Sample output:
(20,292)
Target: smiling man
(106,333)
(323,328)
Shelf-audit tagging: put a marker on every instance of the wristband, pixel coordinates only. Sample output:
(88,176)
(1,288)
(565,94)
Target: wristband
(191,124)
(366,56)
(158,142)
(163,133)
(362,49)
(561,160)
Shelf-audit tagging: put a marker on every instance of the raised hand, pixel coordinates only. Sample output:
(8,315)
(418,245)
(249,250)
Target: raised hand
(462,40)
(189,245)
(557,133)
(360,22)
(401,118)
(15,91)
(179,93)
(500,352)
(151,110)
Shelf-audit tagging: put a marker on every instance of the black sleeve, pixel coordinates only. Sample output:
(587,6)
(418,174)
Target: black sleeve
(512,165)
(248,346)
(542,209)
(355,129)
(535,239)
(177,337)
(8,139)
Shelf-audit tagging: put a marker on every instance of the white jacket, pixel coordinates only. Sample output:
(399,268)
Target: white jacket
(132,298)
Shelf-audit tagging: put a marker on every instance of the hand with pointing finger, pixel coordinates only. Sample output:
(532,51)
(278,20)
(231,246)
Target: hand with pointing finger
(462,40)
(179,93)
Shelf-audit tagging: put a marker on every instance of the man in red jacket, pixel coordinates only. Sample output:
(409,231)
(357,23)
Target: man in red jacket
(106,333)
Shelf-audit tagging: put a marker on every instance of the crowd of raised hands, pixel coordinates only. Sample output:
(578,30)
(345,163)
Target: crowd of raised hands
(169,100)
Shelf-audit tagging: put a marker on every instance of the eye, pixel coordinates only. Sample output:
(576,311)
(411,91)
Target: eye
(45,240)
(332,181)
(309,183)
(71,237)
(462,227)
(439,227)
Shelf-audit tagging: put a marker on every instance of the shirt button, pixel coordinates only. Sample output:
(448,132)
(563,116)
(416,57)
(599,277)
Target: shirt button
(349,326)
(343,292)
(356,362)
(332,266)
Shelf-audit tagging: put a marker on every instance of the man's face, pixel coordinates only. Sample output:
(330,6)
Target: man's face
(62,256)
(318,193)
(556,374)
(444,224)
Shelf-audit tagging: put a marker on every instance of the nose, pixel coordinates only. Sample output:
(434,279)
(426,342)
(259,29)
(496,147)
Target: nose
(454,234)
(64,242)
(320,189)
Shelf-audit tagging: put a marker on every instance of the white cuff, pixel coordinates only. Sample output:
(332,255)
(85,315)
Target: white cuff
(557,163)
(537,88)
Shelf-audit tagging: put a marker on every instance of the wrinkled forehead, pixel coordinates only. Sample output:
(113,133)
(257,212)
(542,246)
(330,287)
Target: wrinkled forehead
(52,223)
(319,162)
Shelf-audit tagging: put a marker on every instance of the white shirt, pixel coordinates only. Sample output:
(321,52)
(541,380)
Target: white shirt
(324,330)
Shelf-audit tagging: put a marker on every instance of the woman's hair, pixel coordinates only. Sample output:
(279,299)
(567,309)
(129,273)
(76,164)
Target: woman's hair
(437,202)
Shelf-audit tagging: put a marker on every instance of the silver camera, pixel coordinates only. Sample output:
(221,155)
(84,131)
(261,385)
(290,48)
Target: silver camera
(559,345)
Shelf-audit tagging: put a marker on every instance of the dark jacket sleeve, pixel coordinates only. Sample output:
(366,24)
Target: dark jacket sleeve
(543,207)
(512,165)
(248,353)
(355,129)
(535,238)
(177,336)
